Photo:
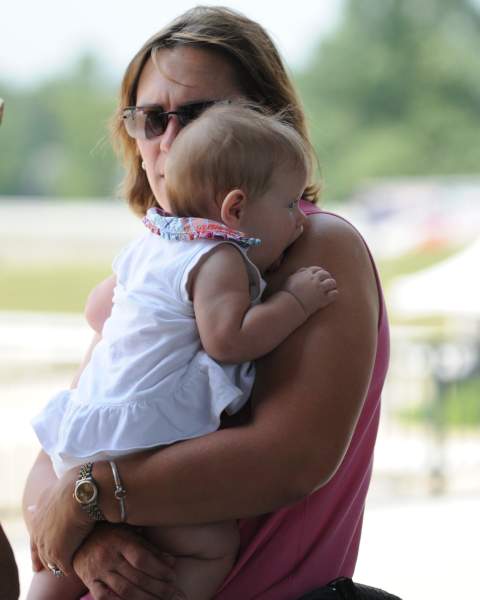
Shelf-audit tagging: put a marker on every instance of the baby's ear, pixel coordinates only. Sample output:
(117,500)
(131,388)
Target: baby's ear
(233,207)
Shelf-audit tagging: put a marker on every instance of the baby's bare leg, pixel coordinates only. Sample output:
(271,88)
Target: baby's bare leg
(205,555)
(45,586)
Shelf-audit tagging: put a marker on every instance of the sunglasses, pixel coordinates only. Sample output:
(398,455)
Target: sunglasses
(148,122)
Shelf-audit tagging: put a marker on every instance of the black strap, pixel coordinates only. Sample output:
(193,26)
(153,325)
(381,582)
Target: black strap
(344,588)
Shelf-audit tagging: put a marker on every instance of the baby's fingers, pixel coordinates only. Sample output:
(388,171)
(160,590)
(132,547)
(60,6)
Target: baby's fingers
(332,294)
(328,284)
(322,274)
(329,290)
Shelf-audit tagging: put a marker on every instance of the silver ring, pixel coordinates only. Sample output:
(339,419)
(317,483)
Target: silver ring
(55,570)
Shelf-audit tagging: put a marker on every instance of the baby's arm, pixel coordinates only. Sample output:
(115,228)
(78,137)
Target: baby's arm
(230,329)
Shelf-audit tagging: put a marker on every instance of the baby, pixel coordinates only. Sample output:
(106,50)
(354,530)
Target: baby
(187,319)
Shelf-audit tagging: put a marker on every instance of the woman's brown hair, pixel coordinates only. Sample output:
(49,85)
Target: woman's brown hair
(258,67)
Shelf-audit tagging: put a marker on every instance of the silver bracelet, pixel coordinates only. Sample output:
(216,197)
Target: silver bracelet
(119,492)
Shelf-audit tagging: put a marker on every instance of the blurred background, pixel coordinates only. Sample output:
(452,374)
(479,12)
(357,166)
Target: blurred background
(392,92)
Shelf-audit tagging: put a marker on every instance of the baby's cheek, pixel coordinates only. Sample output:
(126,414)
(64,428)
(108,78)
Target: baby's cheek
(160,193)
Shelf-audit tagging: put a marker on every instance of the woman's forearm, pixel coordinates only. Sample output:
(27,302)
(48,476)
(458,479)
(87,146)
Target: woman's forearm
(40,478)
(197,481)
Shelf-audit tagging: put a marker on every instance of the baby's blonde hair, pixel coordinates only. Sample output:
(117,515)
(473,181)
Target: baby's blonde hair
(232,145)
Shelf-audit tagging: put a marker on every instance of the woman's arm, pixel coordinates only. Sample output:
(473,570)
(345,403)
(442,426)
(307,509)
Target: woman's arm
(308,396)
(111,557)
(99,303)
(40,479)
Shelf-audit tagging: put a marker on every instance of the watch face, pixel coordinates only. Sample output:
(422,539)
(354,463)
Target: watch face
(85,492)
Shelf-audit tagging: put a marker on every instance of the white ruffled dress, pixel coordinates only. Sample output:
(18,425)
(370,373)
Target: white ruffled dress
(149,382)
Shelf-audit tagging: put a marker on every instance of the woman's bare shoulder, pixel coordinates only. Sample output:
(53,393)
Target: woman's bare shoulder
(336,245)
(334,237)
(326,364)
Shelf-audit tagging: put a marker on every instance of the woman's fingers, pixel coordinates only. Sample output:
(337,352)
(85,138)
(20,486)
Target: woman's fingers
(99,591)
(141,556)
(122,561)
(36,562)
(133,580)
(57,525)
(147,559)
(139,587)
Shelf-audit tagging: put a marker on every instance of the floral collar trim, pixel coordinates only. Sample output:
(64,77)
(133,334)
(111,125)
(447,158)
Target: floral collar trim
(193,228)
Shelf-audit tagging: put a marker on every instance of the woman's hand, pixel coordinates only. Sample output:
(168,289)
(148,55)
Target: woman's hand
(116,559)
(58,525)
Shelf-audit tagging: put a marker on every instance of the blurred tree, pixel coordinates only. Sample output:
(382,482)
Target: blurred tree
(396,91)
(54,138)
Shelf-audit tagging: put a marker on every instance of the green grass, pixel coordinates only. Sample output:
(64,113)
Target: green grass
(58,288)
(64,287)
(459,409)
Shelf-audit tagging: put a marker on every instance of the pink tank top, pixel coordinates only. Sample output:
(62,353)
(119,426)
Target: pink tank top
(301,547)
(304,546)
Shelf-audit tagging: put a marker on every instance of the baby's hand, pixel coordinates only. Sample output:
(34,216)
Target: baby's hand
(313,287)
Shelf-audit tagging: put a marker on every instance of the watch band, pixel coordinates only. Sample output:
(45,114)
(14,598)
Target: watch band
(91,508)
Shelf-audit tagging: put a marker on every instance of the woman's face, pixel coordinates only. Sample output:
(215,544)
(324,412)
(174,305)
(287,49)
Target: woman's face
(181,75)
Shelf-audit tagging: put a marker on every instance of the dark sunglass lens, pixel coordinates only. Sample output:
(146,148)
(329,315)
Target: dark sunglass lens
(155,123)
(192,111)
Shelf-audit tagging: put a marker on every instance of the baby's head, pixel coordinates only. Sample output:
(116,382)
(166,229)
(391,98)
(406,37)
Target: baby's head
(231,146)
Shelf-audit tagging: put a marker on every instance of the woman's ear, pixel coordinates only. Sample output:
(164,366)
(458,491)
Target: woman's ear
(233,208)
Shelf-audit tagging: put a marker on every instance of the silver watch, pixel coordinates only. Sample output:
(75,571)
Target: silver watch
(86,493)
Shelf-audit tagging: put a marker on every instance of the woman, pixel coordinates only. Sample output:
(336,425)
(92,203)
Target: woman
(295,470)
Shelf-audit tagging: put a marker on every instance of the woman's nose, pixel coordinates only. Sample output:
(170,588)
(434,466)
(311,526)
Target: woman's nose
(168,136)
